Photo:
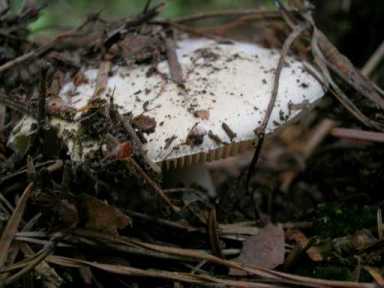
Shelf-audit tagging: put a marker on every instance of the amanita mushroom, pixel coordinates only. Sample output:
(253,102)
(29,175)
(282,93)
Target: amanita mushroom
(225,95)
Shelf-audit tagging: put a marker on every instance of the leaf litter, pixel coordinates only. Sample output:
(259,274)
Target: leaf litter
(87,207)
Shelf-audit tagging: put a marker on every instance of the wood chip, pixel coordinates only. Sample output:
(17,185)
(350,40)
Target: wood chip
(215,138)
(202,114)
(231,135)
(144,123)
(196,136)
(174,64)
(169,141)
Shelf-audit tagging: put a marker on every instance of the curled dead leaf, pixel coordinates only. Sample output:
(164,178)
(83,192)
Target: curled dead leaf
(100,216)
(139,47)
(266,249)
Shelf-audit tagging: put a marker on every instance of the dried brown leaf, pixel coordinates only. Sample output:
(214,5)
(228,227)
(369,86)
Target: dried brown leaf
(122,151)
(266,249)
(302,240)
(100,216)
(139,47)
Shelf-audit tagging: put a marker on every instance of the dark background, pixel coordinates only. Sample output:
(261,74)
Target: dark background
(356,26)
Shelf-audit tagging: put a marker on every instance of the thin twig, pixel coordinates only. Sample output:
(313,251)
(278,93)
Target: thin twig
(148,15)
(152,184)
(356,134)
(15,105)
(259,13)
(182,23)
(26,57)
(42,108)
(175,68)
(213,233)
(341,65)
(326,55)
(197,279)
(36,260)
(338,92)
(373,61)
(238,22)
(260,131)
(24,170)
(276,276)
(135,140)
(39,52)
(164,222)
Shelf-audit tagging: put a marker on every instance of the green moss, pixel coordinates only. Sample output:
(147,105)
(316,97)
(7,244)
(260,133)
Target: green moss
(324,270)
(81,133)
(22,143)
(333,220)
(333,273)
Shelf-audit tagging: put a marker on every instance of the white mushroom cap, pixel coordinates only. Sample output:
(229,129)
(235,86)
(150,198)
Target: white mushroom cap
(224,83)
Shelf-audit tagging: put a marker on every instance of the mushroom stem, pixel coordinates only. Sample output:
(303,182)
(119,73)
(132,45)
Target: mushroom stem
(188,176)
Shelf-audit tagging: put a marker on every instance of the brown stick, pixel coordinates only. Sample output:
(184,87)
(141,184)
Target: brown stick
(136,142)
(152,183)
(356,134)
(174,65)
(260,131)
(374,61)
(259,13)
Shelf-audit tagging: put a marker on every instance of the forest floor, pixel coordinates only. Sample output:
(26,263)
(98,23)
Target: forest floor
(309,214)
